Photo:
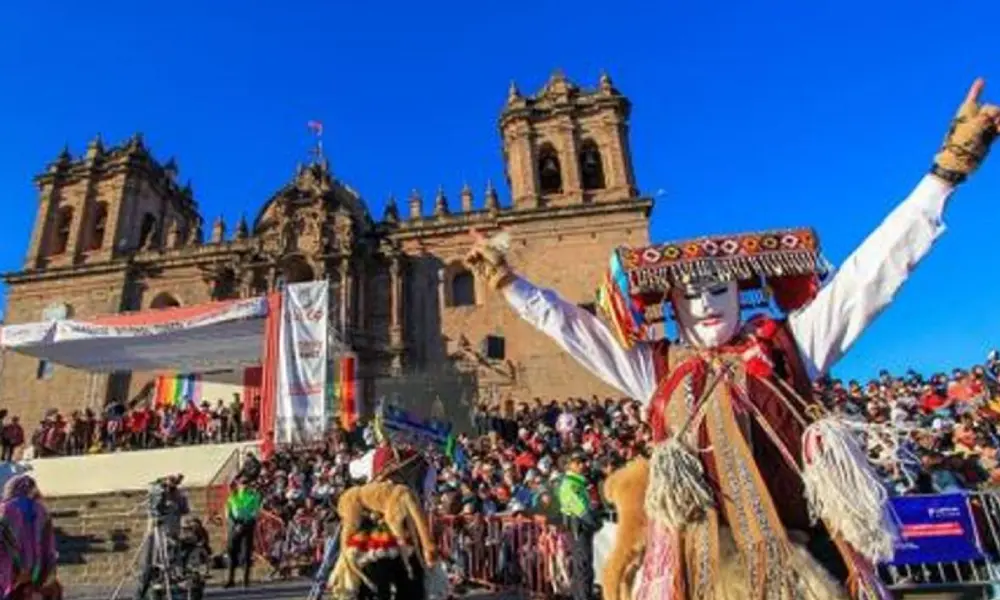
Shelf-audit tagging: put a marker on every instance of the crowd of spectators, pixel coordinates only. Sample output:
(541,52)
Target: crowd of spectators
(933,434)
(513,467)
(927,435)
(121,428)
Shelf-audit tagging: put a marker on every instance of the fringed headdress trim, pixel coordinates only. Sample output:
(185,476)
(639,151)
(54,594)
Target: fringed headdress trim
(747,258)
(784,265)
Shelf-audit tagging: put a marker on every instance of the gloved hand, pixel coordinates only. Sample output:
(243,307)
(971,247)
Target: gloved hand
(488,263)
(972,131)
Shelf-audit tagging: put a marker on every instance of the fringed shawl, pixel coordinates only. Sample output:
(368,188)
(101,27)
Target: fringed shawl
(26,536)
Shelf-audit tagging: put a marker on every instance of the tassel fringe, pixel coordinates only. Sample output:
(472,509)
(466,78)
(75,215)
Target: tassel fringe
(843,491)
(677,491)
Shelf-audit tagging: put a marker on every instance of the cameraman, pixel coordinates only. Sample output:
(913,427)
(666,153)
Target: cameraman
(242,509)
(167,506)
(193,546)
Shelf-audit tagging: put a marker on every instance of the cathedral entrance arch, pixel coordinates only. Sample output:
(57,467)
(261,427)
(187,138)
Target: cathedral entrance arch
(293,269)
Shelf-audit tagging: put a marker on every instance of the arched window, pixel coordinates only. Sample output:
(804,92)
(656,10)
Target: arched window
(99,225)
(147,230)
(591,166)
(463,289)
(549,171)
(64,223)
(164,300)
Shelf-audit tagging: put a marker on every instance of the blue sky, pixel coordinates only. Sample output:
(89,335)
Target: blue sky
(747,115)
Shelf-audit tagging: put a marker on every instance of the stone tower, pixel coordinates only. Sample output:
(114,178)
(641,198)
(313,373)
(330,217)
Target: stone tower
(567,146)
(107,203)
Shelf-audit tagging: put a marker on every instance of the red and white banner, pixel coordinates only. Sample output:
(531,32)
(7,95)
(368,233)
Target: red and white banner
(189,339)
(301,412)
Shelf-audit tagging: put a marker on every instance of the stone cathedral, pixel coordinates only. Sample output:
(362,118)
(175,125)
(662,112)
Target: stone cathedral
(117,230)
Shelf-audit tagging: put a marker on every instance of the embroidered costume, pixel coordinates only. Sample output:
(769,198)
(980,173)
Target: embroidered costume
(748,477)
(28,559)
(387,550)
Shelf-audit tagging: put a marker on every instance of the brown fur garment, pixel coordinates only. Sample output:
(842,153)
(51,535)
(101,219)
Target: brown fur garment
(625,489)
(813,581)
(399,508)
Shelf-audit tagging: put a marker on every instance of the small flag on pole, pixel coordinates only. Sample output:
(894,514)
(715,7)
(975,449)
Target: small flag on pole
(316,127)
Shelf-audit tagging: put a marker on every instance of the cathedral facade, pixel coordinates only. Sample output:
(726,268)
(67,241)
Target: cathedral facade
(116,231)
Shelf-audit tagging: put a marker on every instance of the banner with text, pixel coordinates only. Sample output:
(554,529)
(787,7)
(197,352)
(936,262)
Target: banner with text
(412,427)
(301,414)
(935,529)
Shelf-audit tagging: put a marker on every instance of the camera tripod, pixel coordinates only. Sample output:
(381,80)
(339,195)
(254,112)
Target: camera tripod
(153,556)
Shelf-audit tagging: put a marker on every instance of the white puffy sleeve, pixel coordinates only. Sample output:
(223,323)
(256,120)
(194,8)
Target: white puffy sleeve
(827,327)
(587,339)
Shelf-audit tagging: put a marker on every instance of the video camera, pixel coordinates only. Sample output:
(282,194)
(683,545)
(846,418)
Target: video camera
(164,501)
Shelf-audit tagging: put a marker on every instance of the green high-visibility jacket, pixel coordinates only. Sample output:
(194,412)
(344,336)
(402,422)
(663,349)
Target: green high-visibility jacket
(574,499)
(243,505)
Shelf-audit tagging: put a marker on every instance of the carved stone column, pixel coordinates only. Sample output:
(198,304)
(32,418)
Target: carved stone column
(566,147)
(40,239)
(245,279)
(396,313)
(346,296)
(319,269)
(360,321)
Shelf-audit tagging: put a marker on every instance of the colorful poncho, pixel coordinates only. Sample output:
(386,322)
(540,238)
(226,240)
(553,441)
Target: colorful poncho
(26,537)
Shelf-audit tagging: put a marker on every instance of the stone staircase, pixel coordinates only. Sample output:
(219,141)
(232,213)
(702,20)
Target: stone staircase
(99,536)
(99,510)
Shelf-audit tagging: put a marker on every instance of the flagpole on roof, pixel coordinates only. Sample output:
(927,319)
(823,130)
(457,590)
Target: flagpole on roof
(316,127)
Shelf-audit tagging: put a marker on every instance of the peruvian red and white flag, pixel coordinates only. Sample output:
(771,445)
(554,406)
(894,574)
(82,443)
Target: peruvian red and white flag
(315,126)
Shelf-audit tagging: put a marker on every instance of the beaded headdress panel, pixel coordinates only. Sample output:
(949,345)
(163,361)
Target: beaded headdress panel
(785,265)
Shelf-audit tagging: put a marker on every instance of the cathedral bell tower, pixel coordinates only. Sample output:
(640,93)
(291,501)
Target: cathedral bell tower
(107,203)
(566,145)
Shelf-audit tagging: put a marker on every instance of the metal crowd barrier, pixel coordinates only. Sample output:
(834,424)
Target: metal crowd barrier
(968,575)
(496,553)
(531,555)
(504,552)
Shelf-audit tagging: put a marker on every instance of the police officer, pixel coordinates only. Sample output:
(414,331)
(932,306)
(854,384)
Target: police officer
(581,521)
(242,509)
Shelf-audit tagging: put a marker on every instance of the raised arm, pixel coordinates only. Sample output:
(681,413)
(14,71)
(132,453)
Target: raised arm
(586,338)
(869,279)
(575,330)
(867,282)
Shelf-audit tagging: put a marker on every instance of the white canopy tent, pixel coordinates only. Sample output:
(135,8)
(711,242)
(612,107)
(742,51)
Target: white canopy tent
(199,338)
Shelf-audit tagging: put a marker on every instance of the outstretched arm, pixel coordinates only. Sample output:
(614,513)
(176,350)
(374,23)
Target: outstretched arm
(827,327)
(870,277)
(584,337)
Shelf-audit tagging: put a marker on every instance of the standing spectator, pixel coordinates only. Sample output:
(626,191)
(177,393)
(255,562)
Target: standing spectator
(11,437)
(236,419)
(250,470)
(242,509)
(575,506)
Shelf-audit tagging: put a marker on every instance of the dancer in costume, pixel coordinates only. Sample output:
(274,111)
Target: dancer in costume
(386,547)
(28,559)
(748,475)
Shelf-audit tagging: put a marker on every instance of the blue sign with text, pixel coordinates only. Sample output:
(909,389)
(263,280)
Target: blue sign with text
(935,529)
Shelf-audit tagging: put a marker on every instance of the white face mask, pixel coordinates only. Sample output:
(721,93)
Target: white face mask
(707,316)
